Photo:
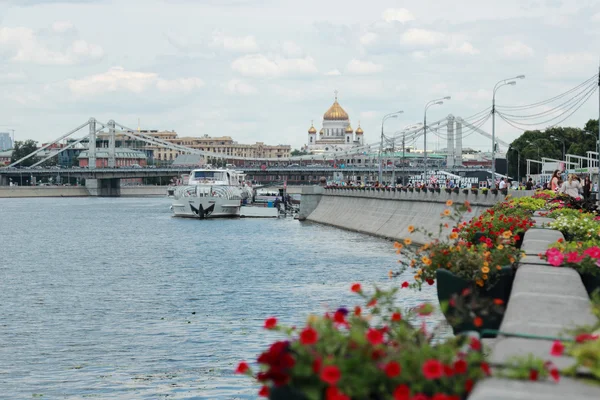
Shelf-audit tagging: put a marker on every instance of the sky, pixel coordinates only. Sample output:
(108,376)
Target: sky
(262,70)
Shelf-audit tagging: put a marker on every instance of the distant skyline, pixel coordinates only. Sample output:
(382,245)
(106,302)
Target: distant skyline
(262,70)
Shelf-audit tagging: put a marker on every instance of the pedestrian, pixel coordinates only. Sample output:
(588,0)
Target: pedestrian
(529,185)
(554,185)
(572,186)
(587,187)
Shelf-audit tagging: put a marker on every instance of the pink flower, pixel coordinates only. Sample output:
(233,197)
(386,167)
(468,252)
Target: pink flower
(593,252)
(555,257)
(574,257)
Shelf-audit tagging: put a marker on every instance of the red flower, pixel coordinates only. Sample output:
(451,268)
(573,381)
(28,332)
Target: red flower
(432,369)
(331,375)
(469,385)
(477,321)
(372,302)
(448,370)
(264,391)
(334,393)
(377,354)
(316,365)
(392,369)
(498,302)
(424,309)
(405,284)
(460,366)
(419,396)
(555,374)
(485,367)
(557,349)
(308,336)
(533,375)
(356,288)
(374,336)
(396,317)
(475,344)
(402,392)
(584,337)
(242,368)
(439,396)
(357,310)
(429,281)
(270,323)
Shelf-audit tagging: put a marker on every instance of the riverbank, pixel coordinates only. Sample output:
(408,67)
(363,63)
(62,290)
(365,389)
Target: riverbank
(77,191)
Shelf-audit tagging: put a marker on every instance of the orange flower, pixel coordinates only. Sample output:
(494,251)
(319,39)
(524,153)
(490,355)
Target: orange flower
(477,322)
(453,235)
(449,203)
(411,228)
(498,302)
(408,241)
(498,267)
(446,212)
(507,234)
(390,274)
(467,204)
(398,245)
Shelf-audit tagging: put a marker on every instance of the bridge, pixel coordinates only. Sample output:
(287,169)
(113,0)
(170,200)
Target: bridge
(106,181)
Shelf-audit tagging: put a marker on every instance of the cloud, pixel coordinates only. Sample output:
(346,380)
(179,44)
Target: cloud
(368,38)
(62,26)
(235,86)
(262,66)
(359,67)
(516,49)
(422,38)
(239,44)
(118,79)
(368,114)
(463,48)
(397,14)
(292,50)
(333,72)
(24,45)
(570,64)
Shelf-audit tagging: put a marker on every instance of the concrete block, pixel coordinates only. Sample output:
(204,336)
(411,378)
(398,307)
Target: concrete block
(543,279)
(510,347)
(546,314)
(540,213)
(540,222)
(533,259)
(536,241)
(505,389)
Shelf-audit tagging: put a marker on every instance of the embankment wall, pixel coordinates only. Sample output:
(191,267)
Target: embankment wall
(388,214)
(76,191)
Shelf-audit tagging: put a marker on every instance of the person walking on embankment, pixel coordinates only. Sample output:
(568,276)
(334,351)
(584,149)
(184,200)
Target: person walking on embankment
(587,187)
(572,186)
(554,185)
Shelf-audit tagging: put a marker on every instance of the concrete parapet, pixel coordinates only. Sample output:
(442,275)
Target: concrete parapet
(505,389)
(536,241)
(311,197)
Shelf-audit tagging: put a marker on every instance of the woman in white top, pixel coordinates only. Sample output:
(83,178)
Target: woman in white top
(572,186)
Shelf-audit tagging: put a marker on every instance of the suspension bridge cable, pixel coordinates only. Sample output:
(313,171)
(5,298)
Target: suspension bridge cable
(543,102)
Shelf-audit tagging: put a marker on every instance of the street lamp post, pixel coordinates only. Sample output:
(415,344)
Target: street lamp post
(503,82)
(429,104)
(390,115)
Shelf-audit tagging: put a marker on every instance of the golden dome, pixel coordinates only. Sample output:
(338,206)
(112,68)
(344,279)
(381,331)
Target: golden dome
(359,130)
(349,129)
(312,129)
(322,131)
(335,112)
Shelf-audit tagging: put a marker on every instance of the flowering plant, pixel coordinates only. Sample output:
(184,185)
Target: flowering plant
(581,226)
(372,354)
(544,194)
(577,203)
(528,203)
(469,307)
(581,256)
(475,262)
(563,211)
(493,225)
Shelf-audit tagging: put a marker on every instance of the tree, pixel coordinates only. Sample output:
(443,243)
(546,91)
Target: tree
(296,152)
(21,149)
(550,143)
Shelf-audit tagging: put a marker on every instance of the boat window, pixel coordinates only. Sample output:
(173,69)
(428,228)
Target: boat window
(204,174)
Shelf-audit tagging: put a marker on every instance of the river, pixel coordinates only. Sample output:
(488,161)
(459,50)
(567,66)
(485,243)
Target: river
(115,299)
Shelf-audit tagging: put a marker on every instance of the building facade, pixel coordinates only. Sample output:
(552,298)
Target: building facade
(224,145)
(336,132)
(5,141)
(5,157)
(123,158)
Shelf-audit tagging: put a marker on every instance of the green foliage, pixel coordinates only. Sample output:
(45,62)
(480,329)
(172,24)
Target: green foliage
(550,143)
(297,152)
(21,149)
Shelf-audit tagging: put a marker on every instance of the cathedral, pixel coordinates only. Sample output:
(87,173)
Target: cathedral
(336,133)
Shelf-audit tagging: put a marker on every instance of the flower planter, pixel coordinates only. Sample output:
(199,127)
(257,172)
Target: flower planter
(286,393)
(466,191)
(591,282)
(449,284)
(456,190)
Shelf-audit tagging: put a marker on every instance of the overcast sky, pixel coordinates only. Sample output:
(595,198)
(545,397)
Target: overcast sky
(261,70)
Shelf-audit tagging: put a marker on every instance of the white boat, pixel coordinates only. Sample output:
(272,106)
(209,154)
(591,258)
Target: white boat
(211,193)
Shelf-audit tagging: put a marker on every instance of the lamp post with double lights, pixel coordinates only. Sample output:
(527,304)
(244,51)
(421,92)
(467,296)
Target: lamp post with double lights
(429,104)
(390,115)
(503,82)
